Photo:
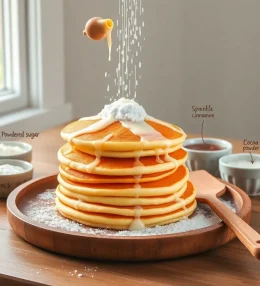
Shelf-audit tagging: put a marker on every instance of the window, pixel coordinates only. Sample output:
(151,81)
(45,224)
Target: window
(13,94)
(33,82)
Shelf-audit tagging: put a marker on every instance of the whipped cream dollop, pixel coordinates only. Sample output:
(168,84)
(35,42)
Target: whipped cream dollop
(124,110)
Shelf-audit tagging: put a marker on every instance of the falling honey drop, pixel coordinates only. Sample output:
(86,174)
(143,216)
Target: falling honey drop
(98,29)
(109,41)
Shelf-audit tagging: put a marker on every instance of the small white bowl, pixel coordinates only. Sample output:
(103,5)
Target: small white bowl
(248,179)
(206,160)
(25,155)
(9,182)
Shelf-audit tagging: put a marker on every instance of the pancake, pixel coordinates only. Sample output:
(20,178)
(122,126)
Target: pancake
(119,167)
(150,210)
(80,177)
(124,201)
(166,186)
(123,139)
(124,170)
(122,223)
(131,154)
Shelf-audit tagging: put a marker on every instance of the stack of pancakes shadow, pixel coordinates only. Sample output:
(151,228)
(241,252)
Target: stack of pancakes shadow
(122,176)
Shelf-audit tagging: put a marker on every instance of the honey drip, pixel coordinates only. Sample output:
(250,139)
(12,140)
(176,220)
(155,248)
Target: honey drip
(109,41)
(146,133)
(77,204)
(183,204)
(99,125)
(158,159)
(137,223)
(71,149)
(98,152)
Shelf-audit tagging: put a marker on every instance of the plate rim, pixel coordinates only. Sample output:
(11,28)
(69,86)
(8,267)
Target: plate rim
(13,209)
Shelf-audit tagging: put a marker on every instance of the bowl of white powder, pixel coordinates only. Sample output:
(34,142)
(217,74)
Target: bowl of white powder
(13,173)
(15,150)
(242,170)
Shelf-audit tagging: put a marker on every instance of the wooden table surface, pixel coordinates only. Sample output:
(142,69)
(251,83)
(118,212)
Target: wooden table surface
(25,264)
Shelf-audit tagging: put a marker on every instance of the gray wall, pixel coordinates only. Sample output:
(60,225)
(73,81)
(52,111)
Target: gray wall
(196,52)
(220,46)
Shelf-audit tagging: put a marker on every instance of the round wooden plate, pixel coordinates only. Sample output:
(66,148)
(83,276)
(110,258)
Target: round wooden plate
(119,248)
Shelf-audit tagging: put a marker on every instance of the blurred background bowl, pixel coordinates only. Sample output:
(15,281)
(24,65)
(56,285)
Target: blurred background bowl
(246,178)
(9,182)
(24,155)
(206,160)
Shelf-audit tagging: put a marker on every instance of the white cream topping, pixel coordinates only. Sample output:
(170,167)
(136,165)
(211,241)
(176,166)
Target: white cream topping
(125,110)
(144,130)
(99,125)
(132,116)
(95,117)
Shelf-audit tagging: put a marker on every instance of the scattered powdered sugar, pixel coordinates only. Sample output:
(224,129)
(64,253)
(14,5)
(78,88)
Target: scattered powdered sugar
(202,217)
(46,196)
(124,110)
(86,272)
(42,209)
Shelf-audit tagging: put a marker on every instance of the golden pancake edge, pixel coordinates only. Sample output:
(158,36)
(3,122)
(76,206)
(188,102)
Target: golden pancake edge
(124,175)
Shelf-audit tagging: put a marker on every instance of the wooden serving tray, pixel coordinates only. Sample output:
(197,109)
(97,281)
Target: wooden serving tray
(117,248)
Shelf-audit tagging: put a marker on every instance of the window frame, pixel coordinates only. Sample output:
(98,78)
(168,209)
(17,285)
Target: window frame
(14,94)
(46,99)
(1,39)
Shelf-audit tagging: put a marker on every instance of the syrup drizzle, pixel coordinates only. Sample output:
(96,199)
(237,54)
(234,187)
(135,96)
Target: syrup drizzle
(77,204)
(99,125)
(95,117)
(183,205)
(71,149)
(98,152)
(109,41)
(146,133)
(139,166)
(137,223)
(158,159)
(137,185)
(144,130)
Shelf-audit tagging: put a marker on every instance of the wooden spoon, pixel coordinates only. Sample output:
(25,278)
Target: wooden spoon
(209,189)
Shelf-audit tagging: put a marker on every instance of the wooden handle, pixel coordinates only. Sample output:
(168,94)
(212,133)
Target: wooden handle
(246,234)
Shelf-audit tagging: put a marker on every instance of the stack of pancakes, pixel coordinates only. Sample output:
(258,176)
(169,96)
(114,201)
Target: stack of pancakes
(110,177)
